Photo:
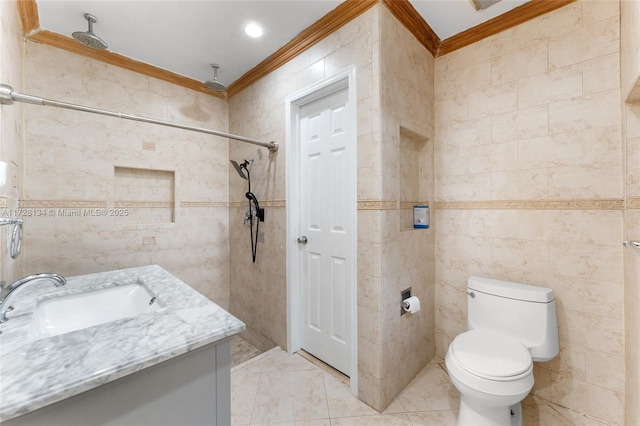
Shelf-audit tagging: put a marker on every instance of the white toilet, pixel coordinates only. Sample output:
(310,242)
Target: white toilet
(509,325)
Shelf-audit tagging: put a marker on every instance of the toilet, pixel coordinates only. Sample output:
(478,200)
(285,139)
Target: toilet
(509,325)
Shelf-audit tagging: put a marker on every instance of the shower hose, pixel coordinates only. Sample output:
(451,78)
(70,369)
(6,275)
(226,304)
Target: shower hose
(254,238)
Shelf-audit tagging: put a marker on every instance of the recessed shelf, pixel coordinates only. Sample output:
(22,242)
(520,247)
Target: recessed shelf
(147,194)
(416,176)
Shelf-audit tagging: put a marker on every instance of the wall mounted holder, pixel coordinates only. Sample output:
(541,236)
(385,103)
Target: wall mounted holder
(404,294)
(16,235)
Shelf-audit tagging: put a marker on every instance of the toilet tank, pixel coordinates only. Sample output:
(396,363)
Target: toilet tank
(524,312)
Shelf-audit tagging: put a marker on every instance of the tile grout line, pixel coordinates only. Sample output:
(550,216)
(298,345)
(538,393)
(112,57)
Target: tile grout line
(255,398)
(559,413)
(252,360)
(326,395)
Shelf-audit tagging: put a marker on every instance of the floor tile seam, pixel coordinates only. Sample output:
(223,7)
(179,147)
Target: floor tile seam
(418,412)
(311,363)
(326,375)
(311,367)
(254,359)
(363,415)
(324,382)
(404,409)
(324,386)
(443,367)
(255,398)
(427,411)
(559,413)
(297,370)
(431,411)
(314,419)
(318,363)
(553,404)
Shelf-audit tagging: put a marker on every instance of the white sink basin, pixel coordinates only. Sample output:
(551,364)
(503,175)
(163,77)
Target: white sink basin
(64,314)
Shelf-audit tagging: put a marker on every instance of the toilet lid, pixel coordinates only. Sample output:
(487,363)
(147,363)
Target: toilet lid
(491,355)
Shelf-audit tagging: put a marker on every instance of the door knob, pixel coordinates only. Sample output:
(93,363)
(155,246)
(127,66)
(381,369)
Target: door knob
(302,240)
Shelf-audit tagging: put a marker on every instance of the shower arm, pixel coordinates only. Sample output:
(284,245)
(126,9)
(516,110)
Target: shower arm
(8,97)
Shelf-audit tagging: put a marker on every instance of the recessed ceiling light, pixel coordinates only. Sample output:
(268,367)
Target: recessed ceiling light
(253,30)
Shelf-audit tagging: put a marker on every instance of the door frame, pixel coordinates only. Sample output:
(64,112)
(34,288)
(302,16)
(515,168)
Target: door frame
(325,87)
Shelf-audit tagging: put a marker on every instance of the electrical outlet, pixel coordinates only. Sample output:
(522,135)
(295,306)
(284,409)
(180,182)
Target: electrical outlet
(404,294)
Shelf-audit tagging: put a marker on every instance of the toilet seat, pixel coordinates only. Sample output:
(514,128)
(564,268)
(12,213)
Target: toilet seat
(491,356)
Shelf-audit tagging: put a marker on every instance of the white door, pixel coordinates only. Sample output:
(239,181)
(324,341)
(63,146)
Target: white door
(325,147)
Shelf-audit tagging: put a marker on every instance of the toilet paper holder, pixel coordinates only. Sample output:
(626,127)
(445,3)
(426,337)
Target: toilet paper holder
(404,295)
(411,305)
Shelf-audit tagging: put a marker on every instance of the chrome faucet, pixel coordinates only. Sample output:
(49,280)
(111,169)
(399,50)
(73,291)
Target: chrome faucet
(9,292)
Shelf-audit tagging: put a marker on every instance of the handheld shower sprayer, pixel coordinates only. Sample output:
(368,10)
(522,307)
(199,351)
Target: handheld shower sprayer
(253,202)
(259,211)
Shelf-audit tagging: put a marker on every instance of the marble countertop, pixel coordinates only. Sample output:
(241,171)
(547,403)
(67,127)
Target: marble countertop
(36,373)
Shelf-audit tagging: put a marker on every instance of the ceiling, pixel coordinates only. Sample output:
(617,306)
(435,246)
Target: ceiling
(450,17)
(185,37)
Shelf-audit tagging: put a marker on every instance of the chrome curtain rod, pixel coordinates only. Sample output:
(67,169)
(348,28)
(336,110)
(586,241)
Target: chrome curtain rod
(8,97)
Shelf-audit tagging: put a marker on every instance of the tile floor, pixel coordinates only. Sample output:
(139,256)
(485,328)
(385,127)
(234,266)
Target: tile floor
(242,351)
(277,388)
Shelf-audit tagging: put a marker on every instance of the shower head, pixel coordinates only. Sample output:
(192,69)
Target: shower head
(88,38)
(215,84)
(239,168)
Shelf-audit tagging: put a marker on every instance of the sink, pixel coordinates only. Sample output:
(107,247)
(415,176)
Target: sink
(63,314)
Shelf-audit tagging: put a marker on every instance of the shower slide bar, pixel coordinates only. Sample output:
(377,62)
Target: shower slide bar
(8,97)
(629,243)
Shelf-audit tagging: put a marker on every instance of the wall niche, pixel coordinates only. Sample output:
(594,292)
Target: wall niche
(416,176)
(148,195)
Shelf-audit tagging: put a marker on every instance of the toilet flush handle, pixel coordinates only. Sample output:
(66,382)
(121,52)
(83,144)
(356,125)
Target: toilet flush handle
(472,294)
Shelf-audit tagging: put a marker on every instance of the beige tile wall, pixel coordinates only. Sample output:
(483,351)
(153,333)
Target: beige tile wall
(551,83)
(529,115)
(632,264)
(11,131)
(388,260)
(407,107)
(630,47)
(258,291)
(632,335)
(70,164)
(630,75)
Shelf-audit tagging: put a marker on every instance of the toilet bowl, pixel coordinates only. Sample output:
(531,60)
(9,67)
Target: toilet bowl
(493,373)
(509,325)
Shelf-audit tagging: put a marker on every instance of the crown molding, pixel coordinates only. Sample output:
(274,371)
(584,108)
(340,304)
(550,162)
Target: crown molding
(28,11)
(510,19)
(70,45)
(411,19)
(341,15)
(328,24)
